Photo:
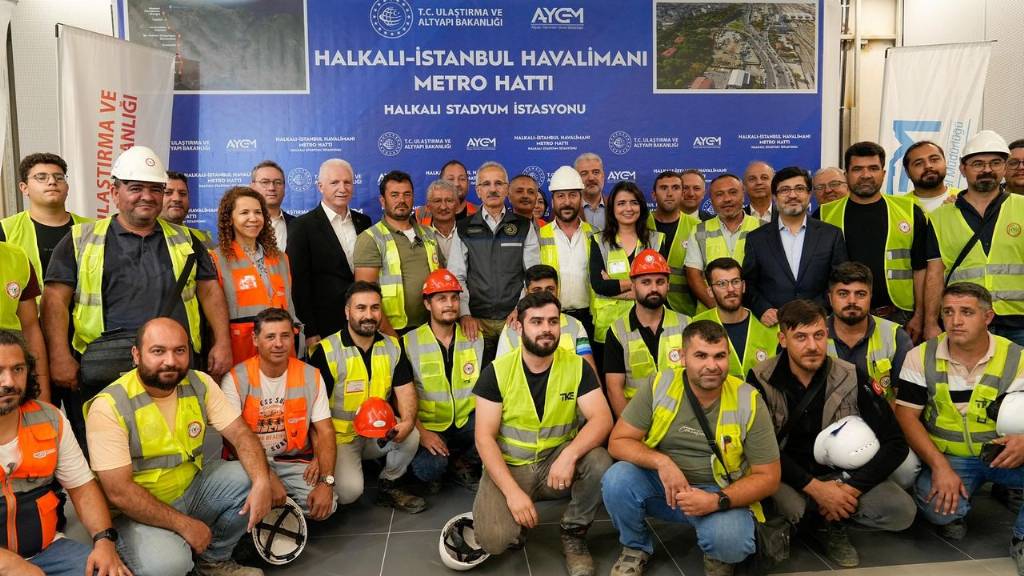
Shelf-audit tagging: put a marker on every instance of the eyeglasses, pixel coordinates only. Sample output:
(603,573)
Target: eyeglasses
(735,282)
(267,182)
(43,177)
(981,164)
(1014,163)
(833,185)
(789,190)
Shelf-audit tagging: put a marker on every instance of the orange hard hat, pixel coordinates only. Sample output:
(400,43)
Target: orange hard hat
(441,280)
(649,262)
(374,418)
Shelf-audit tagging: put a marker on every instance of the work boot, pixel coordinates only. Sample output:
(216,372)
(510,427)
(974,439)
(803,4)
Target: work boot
(389,494)
(631,562)
(577,557)
(466,475)
(520,542)
(838,547)
(1017,553)
(955,530)
(1012,498)
(714,567)
(225,568)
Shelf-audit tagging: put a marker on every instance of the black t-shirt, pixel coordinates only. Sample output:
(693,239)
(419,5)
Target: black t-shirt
(400,376)
(668,229)
(615,357)
(869,249)
(47,238)
(738,335)
(487,385)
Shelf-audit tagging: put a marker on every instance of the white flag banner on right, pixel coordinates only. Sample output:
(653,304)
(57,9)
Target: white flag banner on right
(931,93)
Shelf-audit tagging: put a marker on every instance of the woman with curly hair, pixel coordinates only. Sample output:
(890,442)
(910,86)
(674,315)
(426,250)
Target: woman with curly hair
(252,271)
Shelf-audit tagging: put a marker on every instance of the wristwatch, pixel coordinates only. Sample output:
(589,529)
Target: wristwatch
(108,534)
(329,480)
(724,503)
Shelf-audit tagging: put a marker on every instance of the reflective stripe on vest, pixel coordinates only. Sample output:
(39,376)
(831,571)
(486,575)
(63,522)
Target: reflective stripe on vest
(20,230)
(736,412)
(880,353)
(164,461)
(571,331)
(548,248)
(1001,271)
(90,239)
(14,273)
(964,434)
(352,385)
(300,391)
(246,292)
(443,403)
(525,438)
(616,264)
(203,236)
(640,365)
(762,342)
(679,297)
(390,279)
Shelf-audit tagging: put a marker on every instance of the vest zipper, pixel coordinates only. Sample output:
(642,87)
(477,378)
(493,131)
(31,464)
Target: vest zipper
(967,437)
(12,516)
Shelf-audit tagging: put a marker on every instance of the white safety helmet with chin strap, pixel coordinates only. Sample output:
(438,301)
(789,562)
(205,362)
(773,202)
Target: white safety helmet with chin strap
(847,444)
(565,178)
(281,535)
(139,164)
(458,546)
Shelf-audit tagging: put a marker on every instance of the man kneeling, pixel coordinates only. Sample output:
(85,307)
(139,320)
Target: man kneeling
(668,469)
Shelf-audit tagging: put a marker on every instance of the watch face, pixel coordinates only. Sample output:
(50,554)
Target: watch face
(329,480)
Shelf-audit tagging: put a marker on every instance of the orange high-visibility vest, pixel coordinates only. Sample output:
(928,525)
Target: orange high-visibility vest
(300,393)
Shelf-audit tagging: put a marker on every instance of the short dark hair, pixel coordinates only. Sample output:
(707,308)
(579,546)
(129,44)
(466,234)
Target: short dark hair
(790,172)
(919,144)
(724,263)
(541,272)
(271,315)
(666,174)
(708,331)
(800,312)
(140,333)
(1018,143)
(172,175)
(535,300)
(723,176)
(30,161)
(265,164)
(850,272)
(862,149)
(360,286)
(518,176)
(970,289)
(451,163)
(12,338)
(395,176)
(693,171)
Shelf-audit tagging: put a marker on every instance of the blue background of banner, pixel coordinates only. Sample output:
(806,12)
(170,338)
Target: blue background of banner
(236,131)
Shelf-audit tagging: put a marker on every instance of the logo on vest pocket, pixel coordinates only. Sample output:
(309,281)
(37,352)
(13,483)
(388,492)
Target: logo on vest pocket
(761,355)
(1013,229)
(13,290)
(43,453)
(195,429)
(247,282)
(904,226)
(511,229)
(674,355)
(468,368)
(566,396)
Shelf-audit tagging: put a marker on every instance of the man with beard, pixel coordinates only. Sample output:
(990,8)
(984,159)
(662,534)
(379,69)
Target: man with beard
(357,363)
(445,366)
(529,404)
(442,199)
(874,345)
(978,239)
(268,179)
(925,165)
(723,236)
(176,206)
(669,218)
(146,433)
(829,184)
(757,179)
(591,171)
(523,195)
(668,470)
(397,253)
(648,339)
(694,188)
(455,172)
(1015,168)
(806,391)
(750,341)
(896,257)
(32,427)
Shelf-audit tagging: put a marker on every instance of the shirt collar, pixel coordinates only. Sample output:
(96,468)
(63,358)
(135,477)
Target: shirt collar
(121,230)
(802,224)
(331,214)
(942,351)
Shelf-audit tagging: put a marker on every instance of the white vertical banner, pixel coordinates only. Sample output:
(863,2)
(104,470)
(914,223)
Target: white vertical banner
(931,93)
(6,6)
(113,95)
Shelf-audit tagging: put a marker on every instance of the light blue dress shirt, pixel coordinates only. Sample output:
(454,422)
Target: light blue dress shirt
(793,244)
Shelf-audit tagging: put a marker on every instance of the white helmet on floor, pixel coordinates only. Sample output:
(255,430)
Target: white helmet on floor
(458,547)
(565,178)
(139,164)
(281,535)
(906,474)
(848,444)
(1011,414)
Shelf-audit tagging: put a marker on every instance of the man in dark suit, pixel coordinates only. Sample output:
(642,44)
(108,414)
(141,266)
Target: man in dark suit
(791,257)
(320,245)
(268,179)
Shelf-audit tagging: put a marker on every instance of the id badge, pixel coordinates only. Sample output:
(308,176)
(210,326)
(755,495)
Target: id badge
(355,386)
(617,268)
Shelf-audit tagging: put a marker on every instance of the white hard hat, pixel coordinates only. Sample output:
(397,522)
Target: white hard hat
(848,444)
(985,142)
(139,164)
(565,178)
(906,474)
(281,535)
(1011,414)
(458,546)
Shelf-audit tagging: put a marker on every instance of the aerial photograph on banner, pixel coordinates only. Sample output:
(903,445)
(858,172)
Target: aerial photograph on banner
(229,46)
(712,46)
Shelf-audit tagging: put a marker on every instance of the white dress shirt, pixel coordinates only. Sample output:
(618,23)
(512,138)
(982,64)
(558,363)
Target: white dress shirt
(280,231)
(344,229)
(573,268)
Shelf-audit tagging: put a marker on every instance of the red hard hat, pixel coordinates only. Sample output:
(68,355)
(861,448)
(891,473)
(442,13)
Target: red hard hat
(375,418)
(649,262)
(441,280)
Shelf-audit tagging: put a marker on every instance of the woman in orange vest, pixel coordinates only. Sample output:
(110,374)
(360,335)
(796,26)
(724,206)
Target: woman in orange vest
(252,271)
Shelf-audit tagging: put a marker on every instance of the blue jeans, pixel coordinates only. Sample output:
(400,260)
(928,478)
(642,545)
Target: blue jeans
(215,498)
(461,445)
(63,557)
(632,493)
(973,473)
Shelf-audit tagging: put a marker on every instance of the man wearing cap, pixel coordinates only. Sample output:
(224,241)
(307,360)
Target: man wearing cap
(648,339)
(978,239)
(445,366)
(397,253)
(925,165)
(176,206)
(565,245)
(104,266)
(676,226)
(284,401)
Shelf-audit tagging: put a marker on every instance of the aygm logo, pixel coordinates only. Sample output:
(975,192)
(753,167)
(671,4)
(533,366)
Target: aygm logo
(389,144)
(300,179)
(481,144)
(620,142)
(537,173)
(391,18)
(707,142)
(545,17)
(618,175)
(241,144)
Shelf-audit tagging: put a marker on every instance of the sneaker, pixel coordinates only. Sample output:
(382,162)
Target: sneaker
(955,530)
(631,562)
(464,474)
(714,567)
(839,549)
(225,568)
(389,494)
(1017,553)
(577,557)
(520,542)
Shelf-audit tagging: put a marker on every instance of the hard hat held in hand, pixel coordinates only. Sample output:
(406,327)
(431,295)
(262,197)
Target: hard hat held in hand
(458,547)
(565,178)
(1011,414)
(139,164)
(441,280)
(848,444)
(375,418)
(281,535)
(649,262)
